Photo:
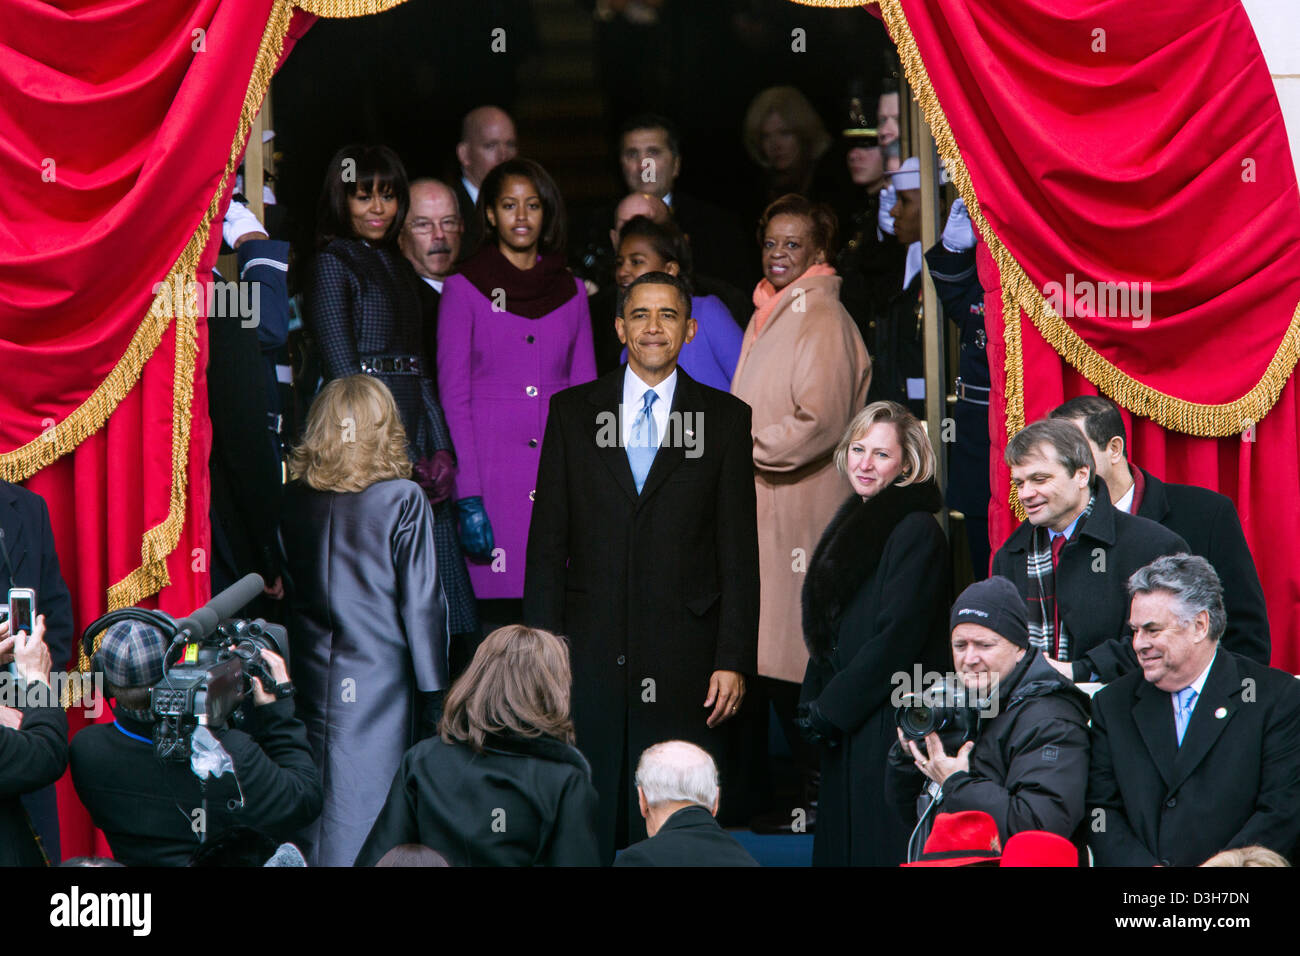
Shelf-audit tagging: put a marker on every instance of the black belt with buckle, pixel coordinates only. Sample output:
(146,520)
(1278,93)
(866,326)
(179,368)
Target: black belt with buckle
(392,365)
(975,394)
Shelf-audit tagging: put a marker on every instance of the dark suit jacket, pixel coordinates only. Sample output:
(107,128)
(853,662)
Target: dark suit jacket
(1234,782)
(690,837)
(655,592)
(31,759)
(1208,522)
(473,234)
(1091,584)
(33,563)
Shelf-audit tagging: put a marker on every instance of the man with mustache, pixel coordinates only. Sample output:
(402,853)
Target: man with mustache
(430,240)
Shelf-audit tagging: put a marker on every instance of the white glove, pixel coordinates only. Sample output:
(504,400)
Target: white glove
(958,235)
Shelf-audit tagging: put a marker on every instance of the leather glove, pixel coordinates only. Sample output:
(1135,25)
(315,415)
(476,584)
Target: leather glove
(815,727)
(436,476)
(475,529)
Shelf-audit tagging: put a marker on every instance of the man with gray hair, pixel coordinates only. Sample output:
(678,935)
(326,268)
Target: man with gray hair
(1071,556)
(1199,751)
(677,789)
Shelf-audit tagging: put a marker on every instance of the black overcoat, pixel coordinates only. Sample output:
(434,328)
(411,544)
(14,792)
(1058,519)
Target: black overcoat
(1234,782)
(875,606)
(1208,522)
(1091,581)
(654,592)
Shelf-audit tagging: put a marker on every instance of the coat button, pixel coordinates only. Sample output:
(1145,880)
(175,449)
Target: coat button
(532,443)
(531,391)
(621,660)
(529,339)
(532,495)
(1171,802)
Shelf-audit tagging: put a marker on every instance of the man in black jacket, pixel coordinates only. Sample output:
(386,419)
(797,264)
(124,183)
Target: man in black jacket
(1199,751)
(1072,556)
(1206,519)
(643,551)
(677,789)
(155,812)
(33,741)
(1028,766)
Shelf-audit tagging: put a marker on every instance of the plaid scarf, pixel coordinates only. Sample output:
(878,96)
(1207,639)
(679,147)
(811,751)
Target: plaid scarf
(1046,632)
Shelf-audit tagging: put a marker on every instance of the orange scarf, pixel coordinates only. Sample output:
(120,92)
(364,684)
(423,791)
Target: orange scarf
(766,297)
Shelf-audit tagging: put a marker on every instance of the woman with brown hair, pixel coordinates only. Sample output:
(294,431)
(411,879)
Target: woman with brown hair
(502,784)
(368,629)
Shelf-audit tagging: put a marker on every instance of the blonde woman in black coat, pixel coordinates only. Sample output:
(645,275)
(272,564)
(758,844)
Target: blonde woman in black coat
(875,604)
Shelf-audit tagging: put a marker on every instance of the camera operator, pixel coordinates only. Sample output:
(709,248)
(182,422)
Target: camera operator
(156,812)
(1028,764)
(33,741)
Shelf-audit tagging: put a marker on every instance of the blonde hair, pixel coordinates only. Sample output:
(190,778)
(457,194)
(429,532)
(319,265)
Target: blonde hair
(354,437)
(799,114)
(518,683)
(918,453)
(1247,856)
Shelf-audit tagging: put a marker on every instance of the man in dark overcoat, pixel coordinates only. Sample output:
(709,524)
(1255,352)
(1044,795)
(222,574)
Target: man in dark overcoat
(1199,750)
(643,551)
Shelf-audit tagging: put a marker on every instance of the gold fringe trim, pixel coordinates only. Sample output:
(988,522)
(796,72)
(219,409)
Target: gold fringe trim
(1015,375)
(160,541)
(1176,414)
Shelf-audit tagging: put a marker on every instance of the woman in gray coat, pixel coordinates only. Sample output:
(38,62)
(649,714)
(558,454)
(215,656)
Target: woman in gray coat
(368,633)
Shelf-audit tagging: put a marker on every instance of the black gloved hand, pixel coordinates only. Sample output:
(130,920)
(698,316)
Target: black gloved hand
(815,727)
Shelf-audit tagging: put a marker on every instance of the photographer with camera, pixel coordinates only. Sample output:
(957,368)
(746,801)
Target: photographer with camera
(155,812)
(33,740)
(1022,752)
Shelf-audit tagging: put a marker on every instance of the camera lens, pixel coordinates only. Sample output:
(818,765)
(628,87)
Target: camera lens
(916,722)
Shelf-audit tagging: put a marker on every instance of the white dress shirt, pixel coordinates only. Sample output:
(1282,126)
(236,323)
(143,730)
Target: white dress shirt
(1125,504)
(435,283)
(1196,685)
(634,397)
(470,188)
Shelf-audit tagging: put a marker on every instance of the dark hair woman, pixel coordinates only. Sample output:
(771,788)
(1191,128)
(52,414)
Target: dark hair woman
(875,604)
(513,329)
(503,784)
(363,309)
(646,246)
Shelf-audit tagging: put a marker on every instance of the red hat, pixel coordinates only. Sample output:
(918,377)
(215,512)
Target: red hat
(1039,848)
(961,839)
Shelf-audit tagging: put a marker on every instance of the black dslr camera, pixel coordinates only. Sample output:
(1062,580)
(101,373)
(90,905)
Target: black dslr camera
(209,681)
(946,708)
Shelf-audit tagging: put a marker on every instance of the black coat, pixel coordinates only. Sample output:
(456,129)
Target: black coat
(690,837)
(720,246)
(875,605)
(655,592)
(28,560)
(1234,782)
(31,758)
(1208,522)
(1091,581)
(147,808)
(521,802)
(1029,766)
(472,237)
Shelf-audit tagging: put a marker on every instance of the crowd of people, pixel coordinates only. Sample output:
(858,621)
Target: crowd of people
(571,497)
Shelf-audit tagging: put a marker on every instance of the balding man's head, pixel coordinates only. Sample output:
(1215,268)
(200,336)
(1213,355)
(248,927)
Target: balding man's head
(431,234)
(487,139)
(673,775)
(638,204)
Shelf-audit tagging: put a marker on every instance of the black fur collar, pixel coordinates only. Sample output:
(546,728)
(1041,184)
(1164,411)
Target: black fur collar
(848,554)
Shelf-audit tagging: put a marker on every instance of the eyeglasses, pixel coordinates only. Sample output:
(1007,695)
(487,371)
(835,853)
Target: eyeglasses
(423,227)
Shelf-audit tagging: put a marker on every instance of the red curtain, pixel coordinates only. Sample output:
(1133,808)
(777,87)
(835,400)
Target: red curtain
(1129,171)
(120,127)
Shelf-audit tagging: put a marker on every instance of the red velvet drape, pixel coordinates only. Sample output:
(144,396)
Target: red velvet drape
(118,123)
(1103,141)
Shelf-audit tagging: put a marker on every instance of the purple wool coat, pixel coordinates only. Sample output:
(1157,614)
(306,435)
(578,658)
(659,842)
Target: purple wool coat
(497,372)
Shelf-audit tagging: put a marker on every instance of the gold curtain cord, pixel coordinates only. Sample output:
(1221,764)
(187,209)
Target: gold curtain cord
(1175,414)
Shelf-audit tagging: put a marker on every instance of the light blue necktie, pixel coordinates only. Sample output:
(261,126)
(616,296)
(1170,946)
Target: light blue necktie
(644,443)
(1186,699)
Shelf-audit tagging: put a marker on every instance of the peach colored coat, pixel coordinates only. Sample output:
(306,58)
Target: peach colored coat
(805,375)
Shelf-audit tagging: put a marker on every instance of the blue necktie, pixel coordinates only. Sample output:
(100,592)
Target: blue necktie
(1185,700)
(644,443)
